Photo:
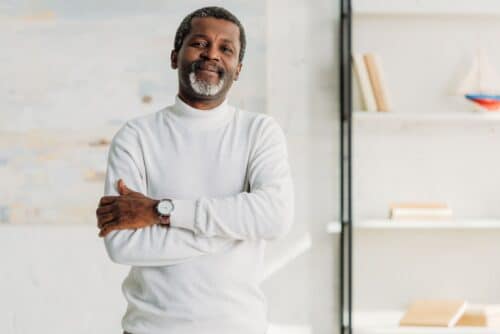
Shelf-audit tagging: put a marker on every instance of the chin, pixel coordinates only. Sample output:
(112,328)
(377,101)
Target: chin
(205,89)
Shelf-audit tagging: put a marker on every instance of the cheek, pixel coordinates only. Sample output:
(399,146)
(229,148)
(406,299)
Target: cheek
(185,66)
(234,72)
(186,58)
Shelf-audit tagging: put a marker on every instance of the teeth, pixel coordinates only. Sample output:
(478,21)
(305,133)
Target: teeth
(209,71)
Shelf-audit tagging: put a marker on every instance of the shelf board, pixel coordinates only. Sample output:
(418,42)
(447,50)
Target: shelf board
(395,116)
(386,322)
(426,7)
(334,227)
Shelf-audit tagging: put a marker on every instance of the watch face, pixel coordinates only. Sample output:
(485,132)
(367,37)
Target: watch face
(165,207)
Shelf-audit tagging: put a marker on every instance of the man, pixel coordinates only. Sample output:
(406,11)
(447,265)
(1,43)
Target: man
(194,191)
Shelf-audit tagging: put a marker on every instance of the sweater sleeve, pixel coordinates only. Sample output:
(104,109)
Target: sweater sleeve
(265,212)
(154,245)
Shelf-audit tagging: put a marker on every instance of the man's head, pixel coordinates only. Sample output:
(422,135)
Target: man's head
(208,52)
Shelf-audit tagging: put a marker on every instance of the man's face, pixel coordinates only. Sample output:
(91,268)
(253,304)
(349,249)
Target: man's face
(207,61)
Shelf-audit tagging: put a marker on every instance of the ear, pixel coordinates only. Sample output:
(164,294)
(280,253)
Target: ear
(237,73)
(173,59)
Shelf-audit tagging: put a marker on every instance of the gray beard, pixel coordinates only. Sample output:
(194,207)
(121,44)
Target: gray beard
(204,88)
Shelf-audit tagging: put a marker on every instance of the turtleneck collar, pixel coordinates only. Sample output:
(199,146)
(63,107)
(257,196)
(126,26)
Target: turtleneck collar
(194,117)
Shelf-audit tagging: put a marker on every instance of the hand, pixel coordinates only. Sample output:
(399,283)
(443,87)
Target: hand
(130,210)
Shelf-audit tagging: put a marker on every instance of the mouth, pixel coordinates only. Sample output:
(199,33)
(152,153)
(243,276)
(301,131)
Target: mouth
(208,69)
(211,72)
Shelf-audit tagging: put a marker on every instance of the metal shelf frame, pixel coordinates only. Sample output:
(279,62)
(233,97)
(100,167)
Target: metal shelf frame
(345,114)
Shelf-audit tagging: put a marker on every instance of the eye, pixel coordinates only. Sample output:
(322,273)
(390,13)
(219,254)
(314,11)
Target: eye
(198,44)
(227,50)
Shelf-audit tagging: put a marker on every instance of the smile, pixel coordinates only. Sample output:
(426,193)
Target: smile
(208,71)
(203,66)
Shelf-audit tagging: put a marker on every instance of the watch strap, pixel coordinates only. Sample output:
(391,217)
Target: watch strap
(163,220)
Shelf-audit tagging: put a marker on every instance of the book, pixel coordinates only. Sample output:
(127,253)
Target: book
(480,316)
(423,214)
(439,313)
(419,205)
(367,97)
(377,80)
(423,211)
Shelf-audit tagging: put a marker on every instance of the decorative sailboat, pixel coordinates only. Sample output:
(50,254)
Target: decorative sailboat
(481,85)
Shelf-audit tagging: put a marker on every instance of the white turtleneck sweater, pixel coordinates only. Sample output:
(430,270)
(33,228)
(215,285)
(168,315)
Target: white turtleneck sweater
(227,172)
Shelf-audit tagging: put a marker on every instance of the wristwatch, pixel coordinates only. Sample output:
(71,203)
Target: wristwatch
(164,209)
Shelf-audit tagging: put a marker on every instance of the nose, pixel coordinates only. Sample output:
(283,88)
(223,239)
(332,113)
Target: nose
(210,53)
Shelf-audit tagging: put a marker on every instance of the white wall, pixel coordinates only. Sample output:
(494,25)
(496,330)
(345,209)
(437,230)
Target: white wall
(57,279)
(302,92)
(72,75)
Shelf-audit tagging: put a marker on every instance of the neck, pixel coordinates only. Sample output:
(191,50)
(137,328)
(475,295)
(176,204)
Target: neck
(205,104)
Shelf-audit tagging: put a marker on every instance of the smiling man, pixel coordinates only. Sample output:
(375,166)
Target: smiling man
(194,191)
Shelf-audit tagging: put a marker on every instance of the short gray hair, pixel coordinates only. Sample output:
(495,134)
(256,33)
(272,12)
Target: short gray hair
(215,12)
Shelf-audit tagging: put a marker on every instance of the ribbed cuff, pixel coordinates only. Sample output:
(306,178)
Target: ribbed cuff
(184,214)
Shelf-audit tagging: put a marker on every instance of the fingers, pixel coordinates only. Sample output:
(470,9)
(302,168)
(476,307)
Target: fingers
(112,226)
(122,188)
(106,219)
(105,200)
(106,214)
(104,232)
(105,209)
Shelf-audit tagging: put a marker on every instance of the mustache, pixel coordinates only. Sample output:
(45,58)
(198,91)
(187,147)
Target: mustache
(203,64)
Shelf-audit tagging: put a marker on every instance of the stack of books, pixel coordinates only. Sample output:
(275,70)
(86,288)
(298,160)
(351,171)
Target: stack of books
(420,211)
(451,313)
(374,93)
(435,313)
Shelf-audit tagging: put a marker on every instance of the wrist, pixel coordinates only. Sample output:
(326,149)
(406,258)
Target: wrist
(162,216)
(155,204)
(153,211)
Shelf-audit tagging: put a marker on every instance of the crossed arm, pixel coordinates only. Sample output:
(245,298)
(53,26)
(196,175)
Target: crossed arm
(200,226)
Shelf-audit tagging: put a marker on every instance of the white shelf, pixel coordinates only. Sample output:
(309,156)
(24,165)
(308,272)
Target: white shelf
(334,227)
(425,7)
(386,322)
(395,116)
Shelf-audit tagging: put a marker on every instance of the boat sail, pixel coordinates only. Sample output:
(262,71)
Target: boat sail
(481,85)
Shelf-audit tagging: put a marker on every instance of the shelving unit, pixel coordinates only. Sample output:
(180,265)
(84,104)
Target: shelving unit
(383,320)
(383,224)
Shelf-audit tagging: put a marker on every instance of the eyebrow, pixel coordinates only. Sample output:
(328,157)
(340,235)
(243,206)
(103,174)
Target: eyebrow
(205,36)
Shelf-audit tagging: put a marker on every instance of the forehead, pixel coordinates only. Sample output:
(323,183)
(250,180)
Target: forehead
(213,27)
